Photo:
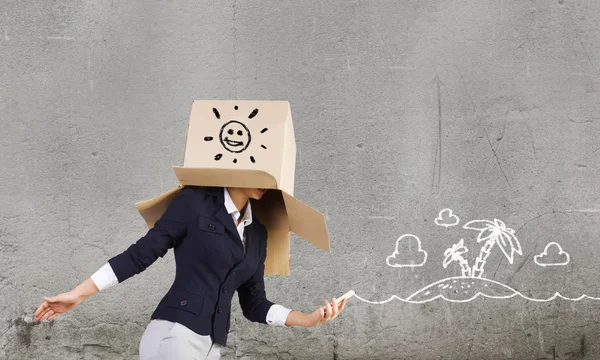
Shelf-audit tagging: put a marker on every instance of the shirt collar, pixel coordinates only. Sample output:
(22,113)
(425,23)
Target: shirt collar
(232,210)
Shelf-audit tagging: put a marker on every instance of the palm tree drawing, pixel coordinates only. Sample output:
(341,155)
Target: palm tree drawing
(493,233)
(455,253)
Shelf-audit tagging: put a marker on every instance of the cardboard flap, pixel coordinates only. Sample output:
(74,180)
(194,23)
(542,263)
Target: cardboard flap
(306,222)
(270,211)
(151,210)
(225,177)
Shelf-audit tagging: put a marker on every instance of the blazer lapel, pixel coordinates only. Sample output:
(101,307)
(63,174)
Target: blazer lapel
(252,243)
(227,221)
(251,250)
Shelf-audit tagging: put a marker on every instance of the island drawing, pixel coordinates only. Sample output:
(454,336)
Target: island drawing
(472,284)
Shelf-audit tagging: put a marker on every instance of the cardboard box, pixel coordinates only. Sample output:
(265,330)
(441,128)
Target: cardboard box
(247,144)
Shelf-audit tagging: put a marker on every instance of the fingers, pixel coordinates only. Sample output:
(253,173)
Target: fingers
(40,308)
(322,312)
(41,315)
(328,311)
(47,314)
(331,310)
(342,304)
(335,309)
(43,308)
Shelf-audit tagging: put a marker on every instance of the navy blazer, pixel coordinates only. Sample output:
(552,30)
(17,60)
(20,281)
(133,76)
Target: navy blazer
(210,263)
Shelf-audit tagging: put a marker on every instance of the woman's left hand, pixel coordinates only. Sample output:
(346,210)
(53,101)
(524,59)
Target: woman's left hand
(326,313)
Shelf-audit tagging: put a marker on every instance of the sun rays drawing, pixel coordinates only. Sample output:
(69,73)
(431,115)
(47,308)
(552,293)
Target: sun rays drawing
(235,136)
(472,284)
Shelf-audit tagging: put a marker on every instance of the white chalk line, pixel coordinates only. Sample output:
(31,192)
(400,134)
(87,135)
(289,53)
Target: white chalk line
(397,252)
(557,295)
(380,302)
(408,300)
(539,259)
(446,214)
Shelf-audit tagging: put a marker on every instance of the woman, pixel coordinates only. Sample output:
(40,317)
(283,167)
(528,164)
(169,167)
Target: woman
(219,248)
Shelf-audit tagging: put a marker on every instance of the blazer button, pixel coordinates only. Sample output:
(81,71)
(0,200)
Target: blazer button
(225,289)
(220,310)
(233,273)
(183,302)
(211,227)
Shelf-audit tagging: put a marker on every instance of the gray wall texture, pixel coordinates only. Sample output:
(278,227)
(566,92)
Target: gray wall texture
(401,109)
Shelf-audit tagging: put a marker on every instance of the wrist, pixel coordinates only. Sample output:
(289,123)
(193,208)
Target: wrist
(77,295)
(79,292)
(85,289)
(298,318)
(307,320)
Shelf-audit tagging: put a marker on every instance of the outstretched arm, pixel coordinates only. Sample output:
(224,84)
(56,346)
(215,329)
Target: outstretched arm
(174,217)
(166,233)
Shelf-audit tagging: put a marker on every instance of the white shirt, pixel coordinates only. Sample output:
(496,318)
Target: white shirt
(105,277)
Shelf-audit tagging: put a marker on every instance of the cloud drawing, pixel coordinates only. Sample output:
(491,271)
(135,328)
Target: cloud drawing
(446,218)
(553,255)
(408,252)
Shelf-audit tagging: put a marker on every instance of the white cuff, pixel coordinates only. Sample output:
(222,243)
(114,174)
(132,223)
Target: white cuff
(277,315)
(105,277)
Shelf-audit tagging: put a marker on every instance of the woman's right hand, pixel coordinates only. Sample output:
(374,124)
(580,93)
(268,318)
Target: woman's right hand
(326,313)
(56,305)
(61,303)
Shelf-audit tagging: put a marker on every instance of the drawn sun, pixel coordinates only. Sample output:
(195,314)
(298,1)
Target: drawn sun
(235,136)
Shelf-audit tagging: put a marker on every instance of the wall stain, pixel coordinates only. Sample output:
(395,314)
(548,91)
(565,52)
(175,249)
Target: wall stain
(23,330)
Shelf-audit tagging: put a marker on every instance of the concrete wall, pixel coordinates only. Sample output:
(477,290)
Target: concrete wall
(401,109)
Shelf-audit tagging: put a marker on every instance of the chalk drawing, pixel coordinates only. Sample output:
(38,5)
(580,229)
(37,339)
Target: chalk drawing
(446,218)
(405,255)
(461,293)
(472,284)
(553,255)
(493,233)
(455,253)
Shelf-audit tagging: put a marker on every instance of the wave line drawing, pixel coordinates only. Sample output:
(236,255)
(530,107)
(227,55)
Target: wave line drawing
(492,290)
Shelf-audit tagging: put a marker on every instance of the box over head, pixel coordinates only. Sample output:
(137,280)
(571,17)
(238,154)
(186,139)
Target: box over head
(247,144)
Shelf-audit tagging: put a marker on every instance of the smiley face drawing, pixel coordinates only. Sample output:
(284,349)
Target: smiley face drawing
(235,136)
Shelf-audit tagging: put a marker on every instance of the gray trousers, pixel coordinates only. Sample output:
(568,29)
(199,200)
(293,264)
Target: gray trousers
(164,340)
